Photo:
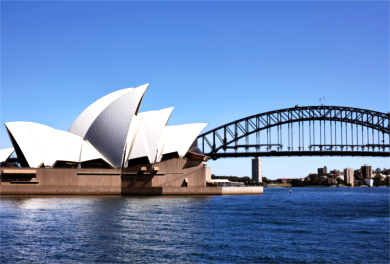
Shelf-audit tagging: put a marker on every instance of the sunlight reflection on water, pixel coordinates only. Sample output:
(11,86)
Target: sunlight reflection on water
(309,225)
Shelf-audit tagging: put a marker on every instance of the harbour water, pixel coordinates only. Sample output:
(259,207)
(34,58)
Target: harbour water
(322,225)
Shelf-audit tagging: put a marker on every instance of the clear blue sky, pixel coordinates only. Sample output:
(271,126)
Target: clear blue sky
(215,62)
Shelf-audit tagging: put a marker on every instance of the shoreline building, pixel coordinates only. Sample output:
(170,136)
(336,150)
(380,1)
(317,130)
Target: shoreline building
(369,182)
(111,148)
(349,176)
(322,171)
(366,171)
(257,170)
(284,180)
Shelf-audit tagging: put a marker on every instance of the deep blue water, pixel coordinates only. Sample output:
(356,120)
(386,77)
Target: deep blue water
(323,225)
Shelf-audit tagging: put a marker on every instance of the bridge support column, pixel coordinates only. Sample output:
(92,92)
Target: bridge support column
(257,174)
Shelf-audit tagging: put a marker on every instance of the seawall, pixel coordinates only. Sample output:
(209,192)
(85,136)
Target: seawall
(60,190)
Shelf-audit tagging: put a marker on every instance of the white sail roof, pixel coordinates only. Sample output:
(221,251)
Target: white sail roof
(109,130)
(180,138)
(55,143)
(73,152)
(83,122)
(25,135)
(43,145)
(5,154)
(131,136)
(80,151)
(88,152)
(148,141)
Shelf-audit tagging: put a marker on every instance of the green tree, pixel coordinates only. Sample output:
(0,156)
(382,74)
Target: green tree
(339,181)
(378,180)
(357,175)
(387,181)
(296,183)
(313,179)
(305,182)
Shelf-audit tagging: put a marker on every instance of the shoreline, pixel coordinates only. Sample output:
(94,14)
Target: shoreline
(320,186)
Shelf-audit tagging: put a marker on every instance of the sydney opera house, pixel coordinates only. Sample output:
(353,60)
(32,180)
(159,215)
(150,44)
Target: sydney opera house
(111,148)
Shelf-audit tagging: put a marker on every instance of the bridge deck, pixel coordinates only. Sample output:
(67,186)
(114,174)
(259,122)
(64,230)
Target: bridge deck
(299,153)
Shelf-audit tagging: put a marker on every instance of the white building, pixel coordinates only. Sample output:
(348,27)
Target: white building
(110,131)
(226,182)
(369,182)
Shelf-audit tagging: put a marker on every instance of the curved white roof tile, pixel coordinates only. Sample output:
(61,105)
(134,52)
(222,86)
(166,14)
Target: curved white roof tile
(108,132)
(72,153)
(56,144)
(82,123)
(110,129)
(5,154)
(131,136)
(90,153)
(140,147)
(26,135)
(180,138)
(79,151)
(43,145)
(149,137)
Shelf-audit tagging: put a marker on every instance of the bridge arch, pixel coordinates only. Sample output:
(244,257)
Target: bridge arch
(227,136)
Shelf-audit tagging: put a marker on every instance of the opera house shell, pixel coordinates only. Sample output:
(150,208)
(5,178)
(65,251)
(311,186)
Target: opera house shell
(110,148)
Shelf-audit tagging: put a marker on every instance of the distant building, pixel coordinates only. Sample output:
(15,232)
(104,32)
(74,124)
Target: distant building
(349,176)
(322,171)
(336,172)
(369,182)
(283,180)
(257,174)
(366,171)
(226,182)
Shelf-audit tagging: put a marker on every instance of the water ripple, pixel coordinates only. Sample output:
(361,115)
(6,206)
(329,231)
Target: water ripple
(311,225)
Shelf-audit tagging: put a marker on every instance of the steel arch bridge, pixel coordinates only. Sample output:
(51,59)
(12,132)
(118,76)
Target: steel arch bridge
(326,130)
